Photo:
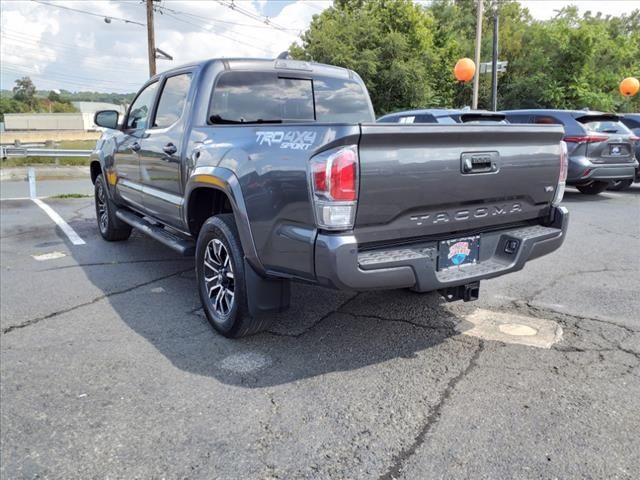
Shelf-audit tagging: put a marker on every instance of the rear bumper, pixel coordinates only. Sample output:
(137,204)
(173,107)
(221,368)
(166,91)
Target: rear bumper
(585,172)
(341,265)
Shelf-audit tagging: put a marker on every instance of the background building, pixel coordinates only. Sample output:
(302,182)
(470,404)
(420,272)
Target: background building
(81,120)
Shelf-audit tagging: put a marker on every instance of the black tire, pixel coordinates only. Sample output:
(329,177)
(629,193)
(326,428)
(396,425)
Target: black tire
(110,227)
(230,318)
(621,184)
(593,188)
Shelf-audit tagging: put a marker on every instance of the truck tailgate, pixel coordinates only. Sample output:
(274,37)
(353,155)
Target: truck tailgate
(420,180)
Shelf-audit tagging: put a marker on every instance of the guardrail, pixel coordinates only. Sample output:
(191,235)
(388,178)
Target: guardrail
(42,152)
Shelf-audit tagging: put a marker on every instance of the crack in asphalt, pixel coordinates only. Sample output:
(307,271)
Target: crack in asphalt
(574,324)
(127,262)
(611,232)
(564,276)
(314,324)
(36,320)
(400,459)
(401,320)
(525,306)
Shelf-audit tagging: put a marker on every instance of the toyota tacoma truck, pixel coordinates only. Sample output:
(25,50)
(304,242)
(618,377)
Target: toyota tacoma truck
(269,171)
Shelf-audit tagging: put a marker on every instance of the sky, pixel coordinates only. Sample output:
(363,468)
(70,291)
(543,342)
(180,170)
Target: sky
(64,49)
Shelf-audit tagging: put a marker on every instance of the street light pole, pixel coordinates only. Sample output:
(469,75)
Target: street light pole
(494,64)
(476,78)
(151,41)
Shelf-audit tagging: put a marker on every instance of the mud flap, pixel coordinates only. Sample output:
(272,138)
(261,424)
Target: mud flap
(265,295)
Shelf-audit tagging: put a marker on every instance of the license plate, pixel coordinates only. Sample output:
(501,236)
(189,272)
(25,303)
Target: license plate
(458,251)
(617,150)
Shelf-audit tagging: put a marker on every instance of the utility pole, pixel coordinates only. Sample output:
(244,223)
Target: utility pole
(476,78)
(494,63)
(151,40)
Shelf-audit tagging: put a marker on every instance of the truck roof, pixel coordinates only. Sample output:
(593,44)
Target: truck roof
(439,112)
(573,113)
(270,64)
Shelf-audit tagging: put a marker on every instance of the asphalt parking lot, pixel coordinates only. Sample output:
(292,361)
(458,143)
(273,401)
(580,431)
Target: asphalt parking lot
(109,369)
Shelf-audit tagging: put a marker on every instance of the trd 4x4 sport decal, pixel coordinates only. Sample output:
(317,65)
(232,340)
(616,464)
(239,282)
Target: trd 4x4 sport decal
(293,139)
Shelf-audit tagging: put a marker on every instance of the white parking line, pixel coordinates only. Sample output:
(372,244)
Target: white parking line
(11,199)
(64,226)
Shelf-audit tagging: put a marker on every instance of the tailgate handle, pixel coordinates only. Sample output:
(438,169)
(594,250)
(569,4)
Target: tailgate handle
(479,162)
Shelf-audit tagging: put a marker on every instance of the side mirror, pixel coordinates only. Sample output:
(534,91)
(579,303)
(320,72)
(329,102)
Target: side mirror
(106,118)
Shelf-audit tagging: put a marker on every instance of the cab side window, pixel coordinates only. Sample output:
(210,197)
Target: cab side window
(138,118)
(547,120)
(426,119)
(172,100)
(514,118)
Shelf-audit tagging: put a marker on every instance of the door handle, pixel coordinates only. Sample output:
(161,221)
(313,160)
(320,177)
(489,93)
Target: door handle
(170,149)
(135,146)
(481,162)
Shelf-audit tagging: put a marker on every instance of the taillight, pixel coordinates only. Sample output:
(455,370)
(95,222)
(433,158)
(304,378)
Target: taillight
(562,176)
(585,138)
(634,138)
(334,183)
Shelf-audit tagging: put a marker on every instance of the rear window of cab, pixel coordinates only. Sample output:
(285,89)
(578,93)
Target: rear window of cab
(607,126)
(269,97)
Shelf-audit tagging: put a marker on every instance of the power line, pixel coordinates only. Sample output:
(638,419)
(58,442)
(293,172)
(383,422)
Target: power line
(53,83)
(260,18)
(37,45)
(77,10)
(163,9)
(201,26)
(62,76)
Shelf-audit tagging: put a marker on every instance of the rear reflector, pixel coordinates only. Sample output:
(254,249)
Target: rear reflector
(585,138)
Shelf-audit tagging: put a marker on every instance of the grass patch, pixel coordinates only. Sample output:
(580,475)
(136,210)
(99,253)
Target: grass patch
(27,161)
(70,195)
(77,144)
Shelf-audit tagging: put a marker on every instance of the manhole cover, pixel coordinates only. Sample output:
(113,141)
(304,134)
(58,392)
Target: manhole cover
(517,330)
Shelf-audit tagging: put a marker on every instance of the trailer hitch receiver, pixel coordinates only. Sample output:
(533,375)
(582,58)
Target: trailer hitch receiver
(467,292)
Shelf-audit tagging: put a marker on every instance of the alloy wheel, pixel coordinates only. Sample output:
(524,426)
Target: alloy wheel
(101,203)
(219,278)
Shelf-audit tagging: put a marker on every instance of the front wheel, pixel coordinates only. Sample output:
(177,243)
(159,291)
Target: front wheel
(593,188)
(111,228)
(620,184)
(221,278)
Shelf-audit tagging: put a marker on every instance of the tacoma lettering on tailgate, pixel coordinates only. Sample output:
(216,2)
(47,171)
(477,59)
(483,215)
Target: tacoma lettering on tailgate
(461,215)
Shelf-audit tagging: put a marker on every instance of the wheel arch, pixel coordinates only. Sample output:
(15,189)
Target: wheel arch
(96,169)
(214,190)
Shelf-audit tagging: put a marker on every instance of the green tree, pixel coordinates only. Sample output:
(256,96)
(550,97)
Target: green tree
(11,105)
(25,91)
(405,53)
(388,42)
(54,96)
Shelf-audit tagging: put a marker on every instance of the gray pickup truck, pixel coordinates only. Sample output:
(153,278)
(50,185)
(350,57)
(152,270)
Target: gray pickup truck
(275,170)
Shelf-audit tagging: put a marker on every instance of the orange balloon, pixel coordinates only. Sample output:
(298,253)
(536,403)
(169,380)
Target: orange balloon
(629,86)
(465,70)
